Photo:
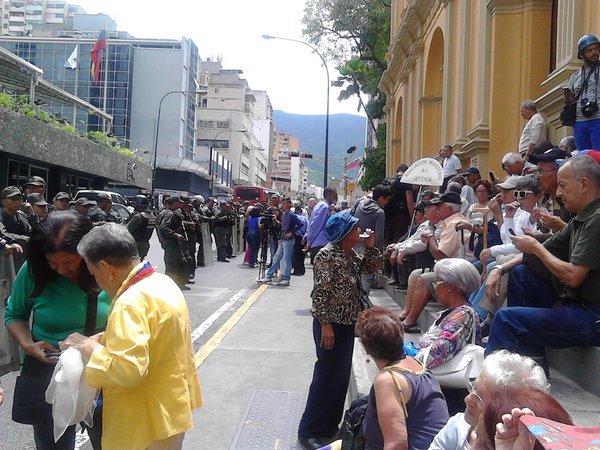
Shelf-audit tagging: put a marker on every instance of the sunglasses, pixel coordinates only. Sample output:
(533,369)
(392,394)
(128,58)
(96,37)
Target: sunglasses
(522,194)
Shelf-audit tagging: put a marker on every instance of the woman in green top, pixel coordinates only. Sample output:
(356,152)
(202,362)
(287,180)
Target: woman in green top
(55,287)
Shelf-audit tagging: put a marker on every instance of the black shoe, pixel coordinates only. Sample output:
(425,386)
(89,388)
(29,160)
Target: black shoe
(313,443)
(269,265)
(185,288)
(231,256)
(222,260)
(413,328)
(190,282)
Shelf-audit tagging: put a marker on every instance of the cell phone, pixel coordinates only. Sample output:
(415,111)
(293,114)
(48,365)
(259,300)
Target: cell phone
(511,231)
(53,355)
(492,176)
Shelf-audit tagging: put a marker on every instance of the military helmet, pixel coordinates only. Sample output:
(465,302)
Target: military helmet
(140,200)
(585,41)
(198,199)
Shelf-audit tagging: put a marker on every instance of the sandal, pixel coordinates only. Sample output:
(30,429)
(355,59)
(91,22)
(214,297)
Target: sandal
(403,317)
(412,328)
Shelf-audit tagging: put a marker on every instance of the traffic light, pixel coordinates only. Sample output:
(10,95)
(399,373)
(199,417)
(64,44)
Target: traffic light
(306,155)
(293,154)
(299,155)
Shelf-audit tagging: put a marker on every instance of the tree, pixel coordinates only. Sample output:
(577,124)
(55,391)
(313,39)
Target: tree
(374,162)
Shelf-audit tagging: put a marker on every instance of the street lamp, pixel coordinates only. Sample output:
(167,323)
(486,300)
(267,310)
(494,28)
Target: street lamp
(156,135)
(326,161)
(210,158)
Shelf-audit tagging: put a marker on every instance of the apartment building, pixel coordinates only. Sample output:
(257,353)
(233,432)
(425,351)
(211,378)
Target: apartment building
(20,16)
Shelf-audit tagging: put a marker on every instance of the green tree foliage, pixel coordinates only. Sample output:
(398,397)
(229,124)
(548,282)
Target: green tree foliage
(374,162)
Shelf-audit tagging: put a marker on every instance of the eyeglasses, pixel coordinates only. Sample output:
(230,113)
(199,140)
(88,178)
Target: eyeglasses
(522,194)
(435,284)
(473,391)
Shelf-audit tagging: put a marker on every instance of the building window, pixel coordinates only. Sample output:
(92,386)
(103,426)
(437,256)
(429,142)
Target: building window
(203,103)
(222,144)
(205,123)
(222,123)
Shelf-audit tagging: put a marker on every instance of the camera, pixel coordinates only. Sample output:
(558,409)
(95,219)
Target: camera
(589,108)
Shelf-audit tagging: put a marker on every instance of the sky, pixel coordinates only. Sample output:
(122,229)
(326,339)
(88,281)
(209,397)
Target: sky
(232,30)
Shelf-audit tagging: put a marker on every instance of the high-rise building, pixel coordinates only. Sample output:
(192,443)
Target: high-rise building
(289,175)
(19,17)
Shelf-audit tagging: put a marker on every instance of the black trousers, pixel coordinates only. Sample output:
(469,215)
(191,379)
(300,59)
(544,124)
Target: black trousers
(298,257)
(313,253)
(175,264)
(331,375)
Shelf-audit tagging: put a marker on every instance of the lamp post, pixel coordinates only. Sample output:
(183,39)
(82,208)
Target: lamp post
(326,159)
(210,157)
(156,134)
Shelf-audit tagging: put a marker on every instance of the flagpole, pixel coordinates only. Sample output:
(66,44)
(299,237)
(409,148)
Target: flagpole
(74,121)
(104,128)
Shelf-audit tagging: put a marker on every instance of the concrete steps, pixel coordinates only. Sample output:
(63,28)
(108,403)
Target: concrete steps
(573,371)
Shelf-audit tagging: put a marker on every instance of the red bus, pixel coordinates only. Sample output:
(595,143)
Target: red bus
(252,194)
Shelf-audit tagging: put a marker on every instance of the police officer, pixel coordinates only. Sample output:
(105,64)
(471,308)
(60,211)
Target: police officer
(210,213)
(189,244)
(16,227)
(223,224)
(104,213)
(198,207)
(170,234)
(142,224)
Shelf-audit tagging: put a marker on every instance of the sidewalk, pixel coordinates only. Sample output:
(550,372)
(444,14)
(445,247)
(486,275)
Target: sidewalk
(270,348)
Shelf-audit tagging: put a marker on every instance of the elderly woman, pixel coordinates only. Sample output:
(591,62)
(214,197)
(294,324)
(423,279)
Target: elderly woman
(336,299)
(143,362)
(55,292)
(500,370)
(453,328)
(406,407)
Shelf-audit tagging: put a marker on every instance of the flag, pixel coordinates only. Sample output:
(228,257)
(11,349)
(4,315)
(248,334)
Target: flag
(353,164)
(71,63)
(96,55)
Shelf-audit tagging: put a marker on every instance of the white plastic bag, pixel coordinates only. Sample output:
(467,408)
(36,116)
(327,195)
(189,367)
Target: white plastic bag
(72,400)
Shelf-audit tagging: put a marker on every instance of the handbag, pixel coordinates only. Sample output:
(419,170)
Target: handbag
(568,115)
(29,397)
(465,365)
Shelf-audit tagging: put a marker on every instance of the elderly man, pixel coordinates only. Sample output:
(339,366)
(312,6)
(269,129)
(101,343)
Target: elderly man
(534,131)
(567,144)
(449,245)
(316,236)
(514,164)
(571,260)
(450,164)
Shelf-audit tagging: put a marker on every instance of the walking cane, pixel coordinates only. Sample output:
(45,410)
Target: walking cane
(485,211)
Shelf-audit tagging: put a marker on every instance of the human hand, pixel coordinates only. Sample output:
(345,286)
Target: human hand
(485,256)
(526,244)
(400,258)
(512,434)
(39,350)
(569,96)
(510,209)
(11,249)
(327,336)
(27,208)
(80,342)
(464,225)
(179,237)
(533,233)
(425,235)
(555,223)
(494,205)
(392,257)
(369,242)
(492,285)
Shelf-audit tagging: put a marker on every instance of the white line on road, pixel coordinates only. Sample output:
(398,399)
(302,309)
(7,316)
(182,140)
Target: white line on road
(218,313)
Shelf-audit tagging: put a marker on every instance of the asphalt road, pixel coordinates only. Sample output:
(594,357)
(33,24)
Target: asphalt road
(218,292)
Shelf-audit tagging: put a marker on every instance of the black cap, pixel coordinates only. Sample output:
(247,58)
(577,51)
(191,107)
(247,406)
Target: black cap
(10,191)
(36,199)
(447,197)
(548,156)
(471,171)
(421,206)
(431,193)
(36,181)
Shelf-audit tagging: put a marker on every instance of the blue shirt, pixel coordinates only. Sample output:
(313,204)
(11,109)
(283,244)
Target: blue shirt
(289,224)
(316,236)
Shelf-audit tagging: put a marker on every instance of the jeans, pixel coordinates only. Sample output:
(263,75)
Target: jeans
(283,256)
(587,134)
(253,238)
(476,296)
(531,322)
(331,375)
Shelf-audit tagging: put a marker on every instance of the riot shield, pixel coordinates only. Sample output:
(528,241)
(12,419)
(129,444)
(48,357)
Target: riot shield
(10,354)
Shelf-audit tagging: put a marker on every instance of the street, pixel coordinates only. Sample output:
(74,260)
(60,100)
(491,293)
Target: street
(270,348)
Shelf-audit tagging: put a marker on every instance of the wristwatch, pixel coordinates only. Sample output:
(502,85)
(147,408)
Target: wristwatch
(499,267)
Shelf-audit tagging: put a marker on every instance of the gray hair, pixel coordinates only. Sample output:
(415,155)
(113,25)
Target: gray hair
(110,242)
(459,273)
(454,186)
(569,143)
(530,105)
(585,166)
(504,369)
(511,158)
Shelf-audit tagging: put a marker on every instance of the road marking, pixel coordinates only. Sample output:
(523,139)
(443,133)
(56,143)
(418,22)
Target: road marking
(214,316)
(216,338)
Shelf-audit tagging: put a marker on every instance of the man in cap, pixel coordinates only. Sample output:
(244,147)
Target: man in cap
(16,227)
(61,201)
(104,212)
(223,222)
(449,245)
(35,185)
(189,244)
(142,224)
(170,234)
(39,208)
(209,213)
(535,129)
(583,89)
(83,205)
(198,205)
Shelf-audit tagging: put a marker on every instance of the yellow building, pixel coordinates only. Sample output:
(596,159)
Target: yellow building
(458,71)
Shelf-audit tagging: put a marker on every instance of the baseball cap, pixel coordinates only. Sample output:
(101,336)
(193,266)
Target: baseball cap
(471,171)
(36,181)
(528,183)
(103,196)
(339,225)
(511,182)
(36,199)
(10,191)
(548,156)
(83,201)
(447,197)
(62,196)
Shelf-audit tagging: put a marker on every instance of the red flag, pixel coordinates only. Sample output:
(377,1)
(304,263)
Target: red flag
(353,164)
(96,55)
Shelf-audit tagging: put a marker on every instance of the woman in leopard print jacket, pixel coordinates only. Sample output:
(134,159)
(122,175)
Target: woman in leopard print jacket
(335,306)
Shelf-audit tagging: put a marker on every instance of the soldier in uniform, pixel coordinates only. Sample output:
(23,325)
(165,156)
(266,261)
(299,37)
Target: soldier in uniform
(82,205)
(210,213)
(223,223)
(189,244)
(16,227)
(61,201)
(104,213)
(142,224)
(200,218)
(170,234)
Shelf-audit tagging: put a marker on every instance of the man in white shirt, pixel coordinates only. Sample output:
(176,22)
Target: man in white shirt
(535,130)
(451,165)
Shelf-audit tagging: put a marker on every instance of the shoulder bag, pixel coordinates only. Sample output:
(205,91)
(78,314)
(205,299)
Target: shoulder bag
(568,115)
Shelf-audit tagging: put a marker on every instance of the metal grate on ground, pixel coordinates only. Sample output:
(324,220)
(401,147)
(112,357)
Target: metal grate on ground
(270,421)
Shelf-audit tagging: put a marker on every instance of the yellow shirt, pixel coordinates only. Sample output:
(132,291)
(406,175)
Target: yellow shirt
(145,366)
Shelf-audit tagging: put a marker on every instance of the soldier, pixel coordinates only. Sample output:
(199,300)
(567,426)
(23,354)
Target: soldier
(223,223)
(142,224)
(170,234)
(35,185)
(198,205)
(104,213)
(234,219)
(39,209)
(83,205)
(210,213)
(61,201)
(16,227)
(189,244)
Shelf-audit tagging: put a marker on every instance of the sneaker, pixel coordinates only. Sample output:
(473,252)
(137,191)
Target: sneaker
(283,283)
(265,280)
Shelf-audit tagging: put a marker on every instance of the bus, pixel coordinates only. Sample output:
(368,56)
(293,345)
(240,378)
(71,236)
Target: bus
(252,194)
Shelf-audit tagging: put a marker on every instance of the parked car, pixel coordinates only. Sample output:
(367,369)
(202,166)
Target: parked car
(93,195)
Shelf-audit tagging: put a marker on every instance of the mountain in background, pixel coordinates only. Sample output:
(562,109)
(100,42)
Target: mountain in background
(345,130)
